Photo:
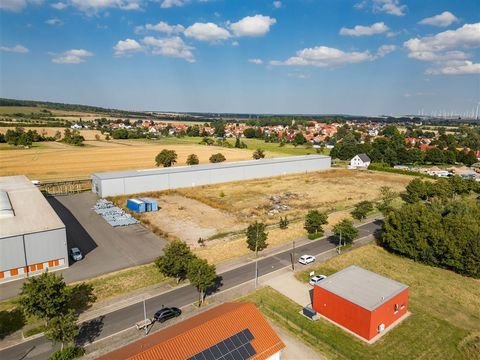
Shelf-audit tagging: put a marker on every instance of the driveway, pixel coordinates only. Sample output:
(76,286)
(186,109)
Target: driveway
(289,286)
(104,247)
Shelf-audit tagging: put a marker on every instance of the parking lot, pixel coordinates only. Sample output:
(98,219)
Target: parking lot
(105,248)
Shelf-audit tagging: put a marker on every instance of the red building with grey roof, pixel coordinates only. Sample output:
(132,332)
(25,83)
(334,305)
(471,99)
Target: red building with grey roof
(361,301)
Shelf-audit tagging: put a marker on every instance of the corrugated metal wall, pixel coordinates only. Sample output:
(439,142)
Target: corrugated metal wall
(158,182)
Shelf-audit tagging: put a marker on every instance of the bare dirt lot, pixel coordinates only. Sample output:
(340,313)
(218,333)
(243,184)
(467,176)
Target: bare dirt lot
(222,212)
(57,161)
(189,219)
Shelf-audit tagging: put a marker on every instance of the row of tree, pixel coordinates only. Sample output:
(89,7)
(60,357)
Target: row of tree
(20,137)
(48,298)
(180,263)
(438,225)
(167,158)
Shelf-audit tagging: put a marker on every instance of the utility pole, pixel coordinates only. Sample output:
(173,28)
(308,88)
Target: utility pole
(256,258)
(145,317)
(340,245)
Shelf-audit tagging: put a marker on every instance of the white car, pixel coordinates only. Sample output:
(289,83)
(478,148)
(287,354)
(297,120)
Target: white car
(306,259)
(76,254)
(316,279)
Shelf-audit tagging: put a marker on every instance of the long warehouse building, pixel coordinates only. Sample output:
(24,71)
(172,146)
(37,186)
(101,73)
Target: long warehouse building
(139,181)
(32,236)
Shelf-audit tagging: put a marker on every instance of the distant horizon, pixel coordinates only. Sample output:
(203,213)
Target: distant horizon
(235,56)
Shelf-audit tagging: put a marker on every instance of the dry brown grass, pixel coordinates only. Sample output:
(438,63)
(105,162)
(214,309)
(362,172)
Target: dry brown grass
(59,161)
(332,190)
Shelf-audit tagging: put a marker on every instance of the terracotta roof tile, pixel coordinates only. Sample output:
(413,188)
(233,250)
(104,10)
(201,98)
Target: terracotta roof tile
(198,333)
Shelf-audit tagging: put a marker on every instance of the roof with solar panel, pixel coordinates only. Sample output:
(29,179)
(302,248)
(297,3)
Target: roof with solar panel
(231,331)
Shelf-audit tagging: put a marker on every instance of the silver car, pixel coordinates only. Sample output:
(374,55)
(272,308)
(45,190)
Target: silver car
(76,254)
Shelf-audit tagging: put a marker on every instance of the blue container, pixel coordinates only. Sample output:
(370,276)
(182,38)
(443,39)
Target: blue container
(136,205)
(151,204)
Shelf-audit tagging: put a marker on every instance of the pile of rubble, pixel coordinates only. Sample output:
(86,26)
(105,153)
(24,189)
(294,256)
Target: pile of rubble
(277,203)
(112,214)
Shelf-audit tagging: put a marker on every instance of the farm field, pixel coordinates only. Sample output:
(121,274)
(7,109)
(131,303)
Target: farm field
(435,330)
(225,210)
(57,161)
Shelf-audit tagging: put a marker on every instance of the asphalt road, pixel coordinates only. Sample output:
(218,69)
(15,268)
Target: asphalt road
(126,317)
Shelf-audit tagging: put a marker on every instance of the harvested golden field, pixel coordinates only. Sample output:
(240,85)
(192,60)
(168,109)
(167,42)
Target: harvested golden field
(293,195)
(51,131)
(56,161)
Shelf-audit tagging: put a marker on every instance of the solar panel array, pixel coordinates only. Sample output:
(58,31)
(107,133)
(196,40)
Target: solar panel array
(236,347)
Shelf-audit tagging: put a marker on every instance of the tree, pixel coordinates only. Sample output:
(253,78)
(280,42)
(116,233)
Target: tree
(434,156)
(257,237)
(258,154)
(416,190)
(120,134)
(175,260)
(192,159)
(362,209)
(249,133)
(202,275)
(346,230)
(387,195)
(62,328)
(299,139)
(238,144)
(217,158)
(219,127)
(314,220)
(44,296)
(166,158)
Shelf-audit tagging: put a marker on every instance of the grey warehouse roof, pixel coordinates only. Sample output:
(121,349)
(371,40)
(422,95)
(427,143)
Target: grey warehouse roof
(32,212)
(362,287)
(180,169)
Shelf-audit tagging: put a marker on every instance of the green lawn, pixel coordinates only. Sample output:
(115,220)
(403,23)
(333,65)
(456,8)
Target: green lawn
(445,307)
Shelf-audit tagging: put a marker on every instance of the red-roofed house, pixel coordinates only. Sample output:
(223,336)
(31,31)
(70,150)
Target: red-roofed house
(234,331)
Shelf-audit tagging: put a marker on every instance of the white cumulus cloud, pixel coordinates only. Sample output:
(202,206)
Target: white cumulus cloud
(277,4)
(207,32)
(359,30)
(19,49)
(59,5)
(171,47)
(126,47)
(324,56)
(73,56)
(257,25)
(442,20)
(162,26)
(255,61)
(392,7)
(456,68)
(54,22)
(447,50)
(93,6)
(171,3)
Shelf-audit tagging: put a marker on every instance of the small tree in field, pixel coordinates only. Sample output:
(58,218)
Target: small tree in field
(314,220)
(192,159)
(217,158)
(386,200)
(202,275)
(257,237)
(175,260)
(258,154)
(284,223)
(166,158)
(346,230)
(362,209)
(62,329)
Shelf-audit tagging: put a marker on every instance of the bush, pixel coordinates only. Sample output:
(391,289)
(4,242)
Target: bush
(217,158)
(67,353)
(386,168)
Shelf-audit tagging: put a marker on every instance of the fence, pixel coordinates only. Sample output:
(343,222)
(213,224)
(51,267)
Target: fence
(65,187)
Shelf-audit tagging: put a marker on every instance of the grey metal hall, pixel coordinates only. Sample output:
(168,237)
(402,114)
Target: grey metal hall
(139,181)
(32,236)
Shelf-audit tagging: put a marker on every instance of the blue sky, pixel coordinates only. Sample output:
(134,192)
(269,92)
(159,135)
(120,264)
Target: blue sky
(292,56)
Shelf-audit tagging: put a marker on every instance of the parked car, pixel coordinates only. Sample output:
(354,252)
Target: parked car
(76,254)
(316,279)
(306,259)
(167,313)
